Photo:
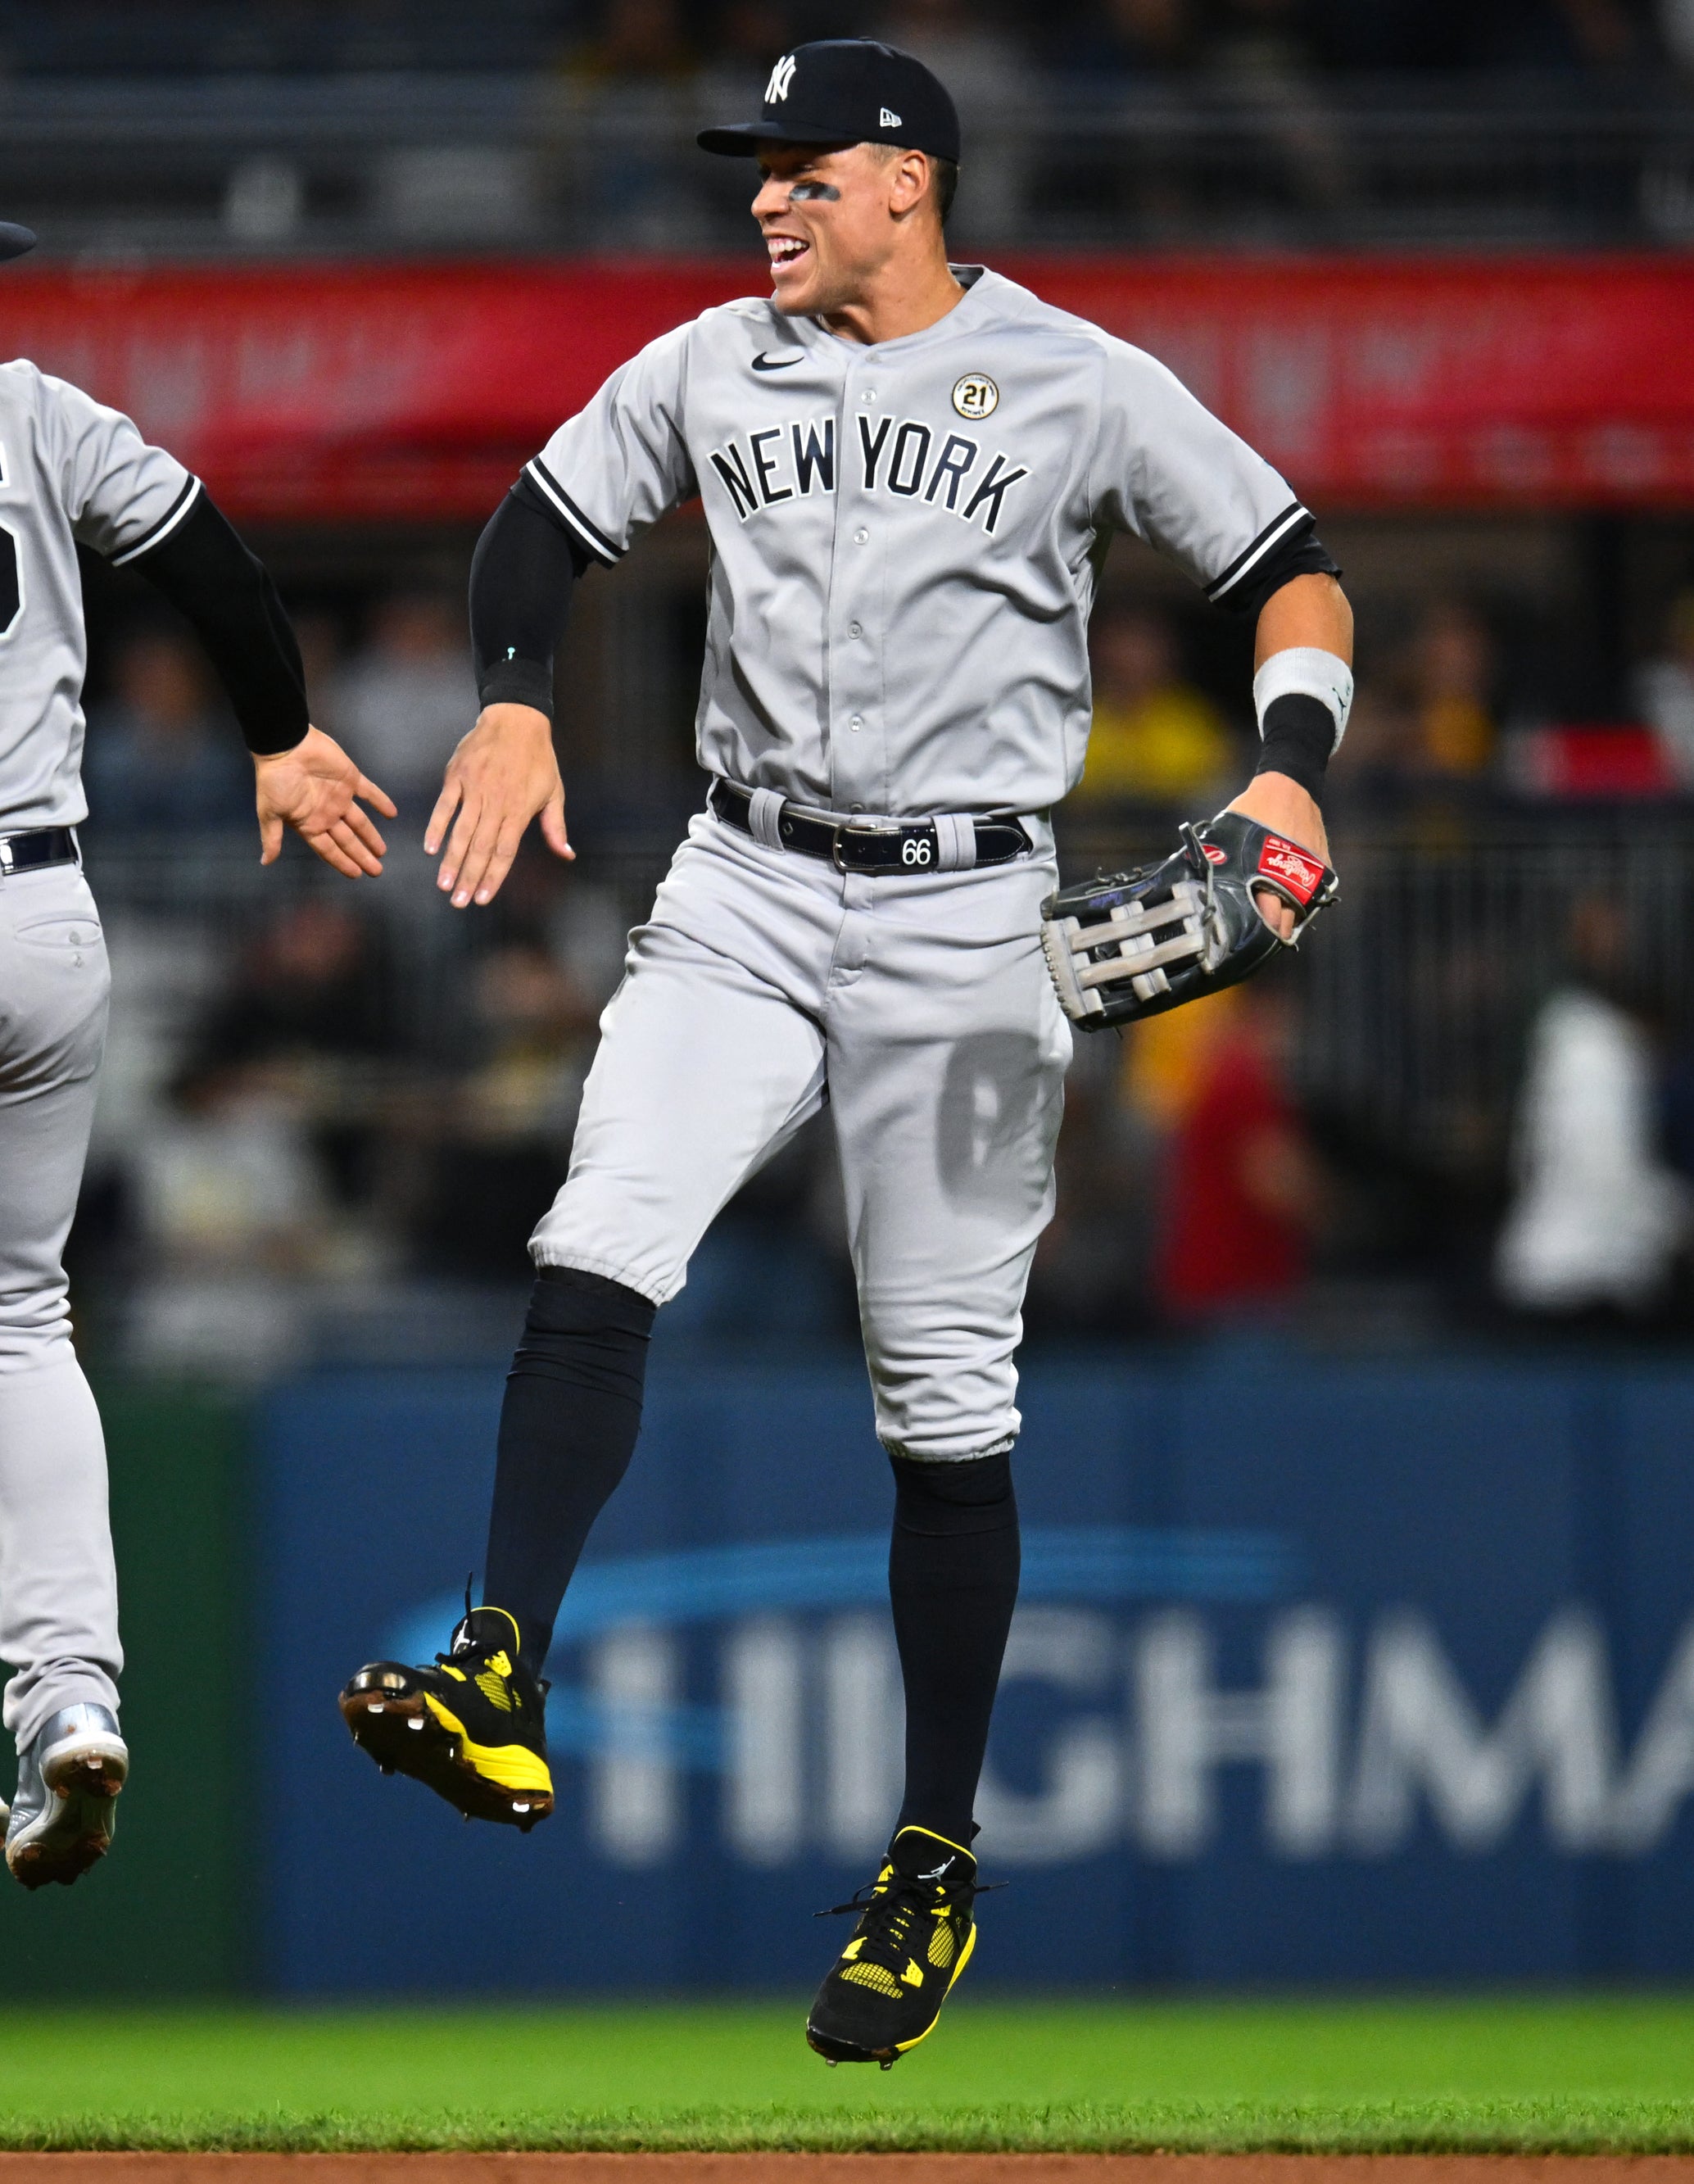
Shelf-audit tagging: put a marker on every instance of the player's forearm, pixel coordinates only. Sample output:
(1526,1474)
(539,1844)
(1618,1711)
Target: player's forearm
(521,578)
(225,592)
(1307,610)
(1303,686)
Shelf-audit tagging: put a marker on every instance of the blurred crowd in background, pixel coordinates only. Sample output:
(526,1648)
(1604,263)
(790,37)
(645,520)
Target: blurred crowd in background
(288,125)
(983,46)
(332,1112)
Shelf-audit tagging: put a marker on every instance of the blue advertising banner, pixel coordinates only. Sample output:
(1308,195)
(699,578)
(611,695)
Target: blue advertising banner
(1321,1670)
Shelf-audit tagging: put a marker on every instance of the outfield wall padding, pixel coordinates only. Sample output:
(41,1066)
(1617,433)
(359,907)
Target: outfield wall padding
(170,1912)
(1323,1670)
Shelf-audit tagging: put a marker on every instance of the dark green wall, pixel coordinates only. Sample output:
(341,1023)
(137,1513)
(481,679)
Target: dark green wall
(168,1911)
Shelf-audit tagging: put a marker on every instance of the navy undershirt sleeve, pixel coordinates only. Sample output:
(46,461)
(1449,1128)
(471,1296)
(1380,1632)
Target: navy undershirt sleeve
(522,576)
(1306,556)
(227,594)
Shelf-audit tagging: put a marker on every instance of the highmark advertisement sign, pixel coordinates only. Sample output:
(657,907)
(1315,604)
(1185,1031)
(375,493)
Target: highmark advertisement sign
(1317,1672)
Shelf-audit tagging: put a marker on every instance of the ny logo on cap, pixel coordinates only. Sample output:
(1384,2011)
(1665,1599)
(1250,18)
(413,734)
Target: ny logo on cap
(780,77)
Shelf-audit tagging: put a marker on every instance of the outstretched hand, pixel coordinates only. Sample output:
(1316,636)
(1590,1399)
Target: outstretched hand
(503,773)
(312,789)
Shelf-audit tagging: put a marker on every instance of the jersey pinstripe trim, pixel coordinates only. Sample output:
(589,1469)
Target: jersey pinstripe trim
(166,524)
(596,541)
(1277,532)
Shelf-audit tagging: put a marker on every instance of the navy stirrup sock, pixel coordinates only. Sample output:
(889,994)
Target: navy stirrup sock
(568,1427)
(953,1568)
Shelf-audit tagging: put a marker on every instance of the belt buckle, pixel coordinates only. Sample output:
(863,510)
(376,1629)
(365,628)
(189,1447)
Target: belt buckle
(5,856)
(888,828)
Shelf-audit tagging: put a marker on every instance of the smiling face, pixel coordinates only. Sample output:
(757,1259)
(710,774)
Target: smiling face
(836,218)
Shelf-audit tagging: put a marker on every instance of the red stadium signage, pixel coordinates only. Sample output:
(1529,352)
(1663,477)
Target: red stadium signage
(382,391)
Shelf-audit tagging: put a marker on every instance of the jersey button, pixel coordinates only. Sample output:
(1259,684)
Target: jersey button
(869,394)
(855,629)
(857,721)
(860,536)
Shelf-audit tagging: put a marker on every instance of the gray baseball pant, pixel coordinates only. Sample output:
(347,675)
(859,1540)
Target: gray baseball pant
(59,1591)
(919,1007)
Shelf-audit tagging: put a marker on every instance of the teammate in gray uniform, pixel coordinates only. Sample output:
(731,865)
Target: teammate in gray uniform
(74,472)
(909,471)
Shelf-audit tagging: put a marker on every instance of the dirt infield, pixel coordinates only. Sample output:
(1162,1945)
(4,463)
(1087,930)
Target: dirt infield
(843,2169)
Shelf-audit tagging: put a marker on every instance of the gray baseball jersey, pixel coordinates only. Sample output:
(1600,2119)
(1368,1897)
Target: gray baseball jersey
(906,537)
(71,471)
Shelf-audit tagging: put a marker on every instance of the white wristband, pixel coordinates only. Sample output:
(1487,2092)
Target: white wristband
(1304,671)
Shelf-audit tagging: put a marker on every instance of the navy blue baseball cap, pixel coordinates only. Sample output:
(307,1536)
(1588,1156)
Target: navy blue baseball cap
(14,241)
(848,91)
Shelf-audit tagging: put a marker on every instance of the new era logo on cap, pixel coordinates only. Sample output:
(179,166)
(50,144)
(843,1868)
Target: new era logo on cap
(780,77)
(888,120)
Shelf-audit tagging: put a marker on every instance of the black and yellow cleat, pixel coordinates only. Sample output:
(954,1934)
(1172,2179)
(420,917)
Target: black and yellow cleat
(471,1726)
(914,1938)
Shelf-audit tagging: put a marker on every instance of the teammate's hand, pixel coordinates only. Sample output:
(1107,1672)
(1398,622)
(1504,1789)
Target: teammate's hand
(311,788)
(502,774)
(1283,806)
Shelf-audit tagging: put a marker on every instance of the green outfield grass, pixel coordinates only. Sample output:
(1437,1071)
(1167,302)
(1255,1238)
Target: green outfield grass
(1589,2073)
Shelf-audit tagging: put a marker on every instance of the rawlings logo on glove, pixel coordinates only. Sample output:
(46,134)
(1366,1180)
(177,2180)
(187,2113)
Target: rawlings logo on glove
(1292,871)
(1140,942)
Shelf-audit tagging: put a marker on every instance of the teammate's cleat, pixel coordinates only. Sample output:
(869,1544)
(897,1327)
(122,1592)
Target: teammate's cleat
(470,1727)
(61,1818)
(914,1938)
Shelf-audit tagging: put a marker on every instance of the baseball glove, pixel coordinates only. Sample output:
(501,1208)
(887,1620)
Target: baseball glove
(1140,942)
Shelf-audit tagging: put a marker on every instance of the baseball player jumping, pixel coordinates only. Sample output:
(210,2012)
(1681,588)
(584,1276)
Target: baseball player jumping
(73,473)
(911,471)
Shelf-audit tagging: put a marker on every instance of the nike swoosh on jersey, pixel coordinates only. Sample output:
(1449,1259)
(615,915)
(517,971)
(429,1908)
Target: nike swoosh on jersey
(765,362)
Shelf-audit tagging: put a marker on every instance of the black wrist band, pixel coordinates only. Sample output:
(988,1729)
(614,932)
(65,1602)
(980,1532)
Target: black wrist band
(518,682)
(1299,736)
